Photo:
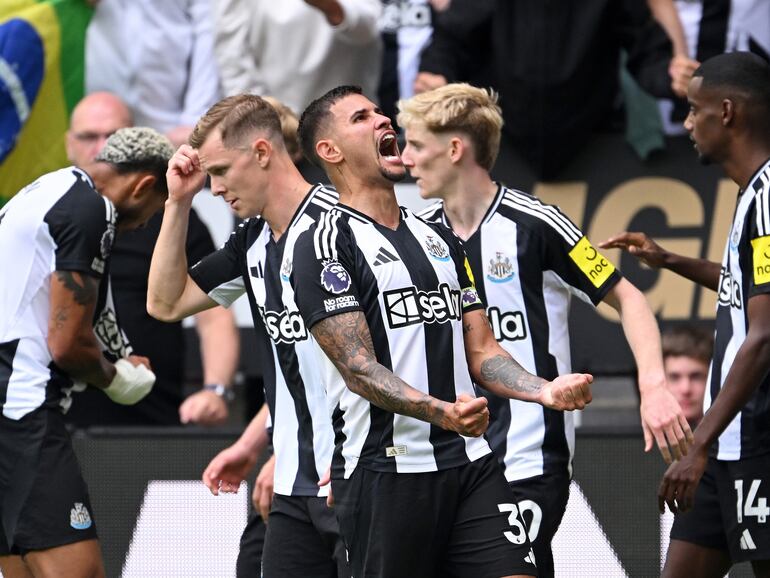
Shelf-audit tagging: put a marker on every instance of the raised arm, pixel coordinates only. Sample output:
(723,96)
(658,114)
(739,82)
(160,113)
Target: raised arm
(639,245)
(494,369)
(346,340)
(171,293)
(662,418)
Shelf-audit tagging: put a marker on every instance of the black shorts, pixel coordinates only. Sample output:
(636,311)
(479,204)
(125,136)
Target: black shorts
(43,498)
(542,501)
(459,522)
(249,562)
(726,489)
(302,540)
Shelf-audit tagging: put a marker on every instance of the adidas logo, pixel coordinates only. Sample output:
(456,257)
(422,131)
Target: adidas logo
(384,257)
(747,542)
(530,557)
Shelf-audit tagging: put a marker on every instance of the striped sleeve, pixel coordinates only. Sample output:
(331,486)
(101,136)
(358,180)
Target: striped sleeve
(587,273)
(323,275)
(759,235)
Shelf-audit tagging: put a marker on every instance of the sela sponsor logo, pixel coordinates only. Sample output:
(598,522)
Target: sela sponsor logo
(507,325)
(340,303)
(334,278)
(500,269)
(591,262)
(729,290)
(436,248)
(409,306)
(284,327)
(80,519)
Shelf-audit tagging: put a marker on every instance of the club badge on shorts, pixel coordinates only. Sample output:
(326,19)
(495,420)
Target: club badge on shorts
(334,278)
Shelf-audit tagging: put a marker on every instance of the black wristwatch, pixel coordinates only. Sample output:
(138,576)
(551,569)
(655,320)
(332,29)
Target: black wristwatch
(221,390)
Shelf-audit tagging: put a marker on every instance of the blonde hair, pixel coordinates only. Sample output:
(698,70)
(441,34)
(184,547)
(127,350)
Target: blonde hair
(462,108)
(237,118)
(289,126)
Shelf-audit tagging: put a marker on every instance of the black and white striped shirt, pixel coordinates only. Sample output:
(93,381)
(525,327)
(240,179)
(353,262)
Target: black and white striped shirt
(58,223)
(413,286)
(745,273)
(528,259)
(253,262)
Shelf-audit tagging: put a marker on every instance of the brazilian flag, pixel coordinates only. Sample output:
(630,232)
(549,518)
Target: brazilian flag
(42,56)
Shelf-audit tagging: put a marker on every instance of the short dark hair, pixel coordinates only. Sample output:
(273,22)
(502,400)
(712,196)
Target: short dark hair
(688,341)
(315,118)
(743,75)
(237,117)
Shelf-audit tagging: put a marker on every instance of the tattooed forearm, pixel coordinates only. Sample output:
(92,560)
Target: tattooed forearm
(346,340)
(83,287)
(504,369)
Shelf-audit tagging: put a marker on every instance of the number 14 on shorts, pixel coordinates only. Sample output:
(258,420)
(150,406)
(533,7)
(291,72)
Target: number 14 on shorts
(751,506)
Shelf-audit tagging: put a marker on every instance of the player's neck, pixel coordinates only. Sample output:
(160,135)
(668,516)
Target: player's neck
(467,201)
(288,189)
(745,161)
(375,199)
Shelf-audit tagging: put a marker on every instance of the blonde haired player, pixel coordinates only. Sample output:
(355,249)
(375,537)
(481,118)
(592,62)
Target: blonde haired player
(528,260)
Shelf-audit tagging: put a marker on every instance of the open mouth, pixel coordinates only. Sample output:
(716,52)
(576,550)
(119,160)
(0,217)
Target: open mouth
(387,147)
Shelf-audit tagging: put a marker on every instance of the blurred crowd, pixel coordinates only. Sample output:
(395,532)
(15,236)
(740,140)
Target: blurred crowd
(556,65)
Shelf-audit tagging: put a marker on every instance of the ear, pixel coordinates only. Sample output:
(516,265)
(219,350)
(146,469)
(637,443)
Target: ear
(69,144)
(143,185)
(328,152)
(728,112)
(457,149)
(262,150)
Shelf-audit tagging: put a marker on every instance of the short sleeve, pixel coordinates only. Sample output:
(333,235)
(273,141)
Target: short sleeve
(759,236)
(324,275)
(220,274)
(82,225)
(569,254)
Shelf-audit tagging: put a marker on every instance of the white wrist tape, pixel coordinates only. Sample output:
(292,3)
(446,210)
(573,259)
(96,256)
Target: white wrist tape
(131,383)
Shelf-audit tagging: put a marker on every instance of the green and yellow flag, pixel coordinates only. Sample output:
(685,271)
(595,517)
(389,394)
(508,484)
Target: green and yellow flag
(42,54)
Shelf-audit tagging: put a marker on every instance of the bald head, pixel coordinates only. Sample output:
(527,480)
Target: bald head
(93,120)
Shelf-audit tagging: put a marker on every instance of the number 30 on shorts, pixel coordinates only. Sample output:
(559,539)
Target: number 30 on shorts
(516,521)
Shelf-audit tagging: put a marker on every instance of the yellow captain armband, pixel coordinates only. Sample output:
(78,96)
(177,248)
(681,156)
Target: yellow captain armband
(593,264)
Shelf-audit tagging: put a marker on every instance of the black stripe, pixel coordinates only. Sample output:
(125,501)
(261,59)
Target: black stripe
(7,353)
(499,407)
(712,34)
(380,435)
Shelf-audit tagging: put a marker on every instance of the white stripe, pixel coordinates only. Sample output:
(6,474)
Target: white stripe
(547,209)
(317,235)
(571,241)
(15,89)
(763,214)
(430,210)
(333,237)
(328,196)
(322,204)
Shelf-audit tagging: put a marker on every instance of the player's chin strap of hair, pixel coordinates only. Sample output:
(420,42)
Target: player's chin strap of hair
(131,382)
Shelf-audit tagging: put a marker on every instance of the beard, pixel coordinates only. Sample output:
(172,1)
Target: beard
(392,176)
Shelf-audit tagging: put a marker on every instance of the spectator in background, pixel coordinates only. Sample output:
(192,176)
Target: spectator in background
(709,28)
(159,56)
(406,30)
(554,63)
(94,119)
(686,357)
(295,50)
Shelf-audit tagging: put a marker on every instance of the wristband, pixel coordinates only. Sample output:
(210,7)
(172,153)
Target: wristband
(221,390)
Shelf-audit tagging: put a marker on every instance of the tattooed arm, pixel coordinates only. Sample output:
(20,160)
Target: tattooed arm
(346,340)
(71,338)
(495,370)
